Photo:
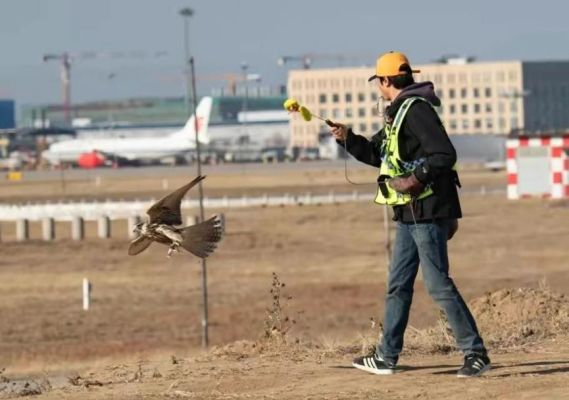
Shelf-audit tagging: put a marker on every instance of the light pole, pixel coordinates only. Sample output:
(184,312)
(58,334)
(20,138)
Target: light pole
(186,13)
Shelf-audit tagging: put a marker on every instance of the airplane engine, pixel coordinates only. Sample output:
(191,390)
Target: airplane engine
(91,160)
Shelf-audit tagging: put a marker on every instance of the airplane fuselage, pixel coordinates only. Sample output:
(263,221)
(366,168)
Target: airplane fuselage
(128,148)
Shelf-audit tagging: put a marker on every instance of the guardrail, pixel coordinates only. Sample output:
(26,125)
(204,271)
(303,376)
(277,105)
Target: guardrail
(104,212)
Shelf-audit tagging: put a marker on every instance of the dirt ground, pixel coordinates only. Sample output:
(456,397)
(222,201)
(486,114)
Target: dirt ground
(142,336)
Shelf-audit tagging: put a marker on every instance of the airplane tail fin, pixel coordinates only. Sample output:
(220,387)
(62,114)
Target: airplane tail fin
(203,113)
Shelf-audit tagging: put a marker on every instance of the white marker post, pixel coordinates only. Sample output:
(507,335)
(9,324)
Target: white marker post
(86,294)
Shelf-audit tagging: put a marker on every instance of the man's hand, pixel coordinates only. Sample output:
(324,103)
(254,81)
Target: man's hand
(339,131)
(407,185)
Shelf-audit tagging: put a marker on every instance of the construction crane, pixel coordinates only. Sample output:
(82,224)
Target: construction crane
(66,59)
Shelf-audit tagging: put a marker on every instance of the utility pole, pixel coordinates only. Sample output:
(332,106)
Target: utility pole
(187,13)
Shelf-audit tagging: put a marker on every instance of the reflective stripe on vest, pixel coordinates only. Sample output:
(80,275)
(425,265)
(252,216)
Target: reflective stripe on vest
(391,163)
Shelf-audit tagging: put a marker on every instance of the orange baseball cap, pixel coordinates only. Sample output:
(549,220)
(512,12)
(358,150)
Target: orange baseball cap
(390,64)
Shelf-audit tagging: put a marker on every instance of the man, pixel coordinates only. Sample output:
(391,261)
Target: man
(416,177)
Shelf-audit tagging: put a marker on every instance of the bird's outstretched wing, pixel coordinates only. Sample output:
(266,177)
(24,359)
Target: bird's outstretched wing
(138,245)
(201,239)
(167,210)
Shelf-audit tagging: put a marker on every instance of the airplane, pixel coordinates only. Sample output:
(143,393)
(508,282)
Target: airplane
(95,152)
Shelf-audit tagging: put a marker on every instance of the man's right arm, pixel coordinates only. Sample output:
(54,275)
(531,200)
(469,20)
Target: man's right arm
(363,150)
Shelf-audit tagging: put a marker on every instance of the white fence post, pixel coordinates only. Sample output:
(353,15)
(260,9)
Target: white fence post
(191,220)
(222,220)
(48,228)
(132,221)
(77,228)
(104,227)
(22,230)
(86,294)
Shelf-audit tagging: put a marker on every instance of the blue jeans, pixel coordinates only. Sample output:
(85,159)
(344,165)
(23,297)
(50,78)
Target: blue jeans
(427,243)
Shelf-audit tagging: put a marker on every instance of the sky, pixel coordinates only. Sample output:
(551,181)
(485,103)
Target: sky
(225,33)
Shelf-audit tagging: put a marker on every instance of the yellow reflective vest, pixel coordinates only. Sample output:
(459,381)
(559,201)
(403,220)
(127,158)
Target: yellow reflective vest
(391,163)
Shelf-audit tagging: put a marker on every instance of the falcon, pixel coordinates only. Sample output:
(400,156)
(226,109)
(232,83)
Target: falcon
(200,239)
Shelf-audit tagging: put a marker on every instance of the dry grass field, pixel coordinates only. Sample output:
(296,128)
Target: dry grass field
(141,338)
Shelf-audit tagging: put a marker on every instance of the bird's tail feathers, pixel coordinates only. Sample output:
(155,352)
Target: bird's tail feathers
(201,239)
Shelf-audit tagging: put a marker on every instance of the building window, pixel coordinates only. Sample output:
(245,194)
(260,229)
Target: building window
(476,92)
(501,107)
(452,109)
(452,124)
(489,123)
(439,93)
(336,113)
(375,127)
(488,107)
(502,123)
(465,124)
(348,97)
(374,111)
(363,128)
(476,108)
(451,93)
(361,97)
(477,124)
(322,98)
(463,93)
(349,113)
(361,112)
(323,113)
(501,76)
(335,98)
(514,123)
(488,92)
(374,96)
(464,108)
(514,106)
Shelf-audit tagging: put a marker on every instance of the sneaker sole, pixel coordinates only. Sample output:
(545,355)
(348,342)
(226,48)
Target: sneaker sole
(486,368)
(374,370)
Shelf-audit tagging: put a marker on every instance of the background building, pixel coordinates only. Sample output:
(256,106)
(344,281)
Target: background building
(7,114)
(478,97)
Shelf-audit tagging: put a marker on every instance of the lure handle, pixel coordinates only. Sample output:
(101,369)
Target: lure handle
(332,124)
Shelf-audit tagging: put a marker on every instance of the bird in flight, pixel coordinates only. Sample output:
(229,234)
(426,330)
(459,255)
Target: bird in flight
(200,239)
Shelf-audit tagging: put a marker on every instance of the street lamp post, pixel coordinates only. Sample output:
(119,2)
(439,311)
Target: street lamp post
(192,110)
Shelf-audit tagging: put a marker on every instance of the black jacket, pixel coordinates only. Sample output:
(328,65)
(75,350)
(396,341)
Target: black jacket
(422,135)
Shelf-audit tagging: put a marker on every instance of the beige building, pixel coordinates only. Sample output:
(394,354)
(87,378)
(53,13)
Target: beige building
(477,97)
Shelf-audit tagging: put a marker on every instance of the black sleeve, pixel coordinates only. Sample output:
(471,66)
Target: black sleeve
(364,150)
(424,123)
